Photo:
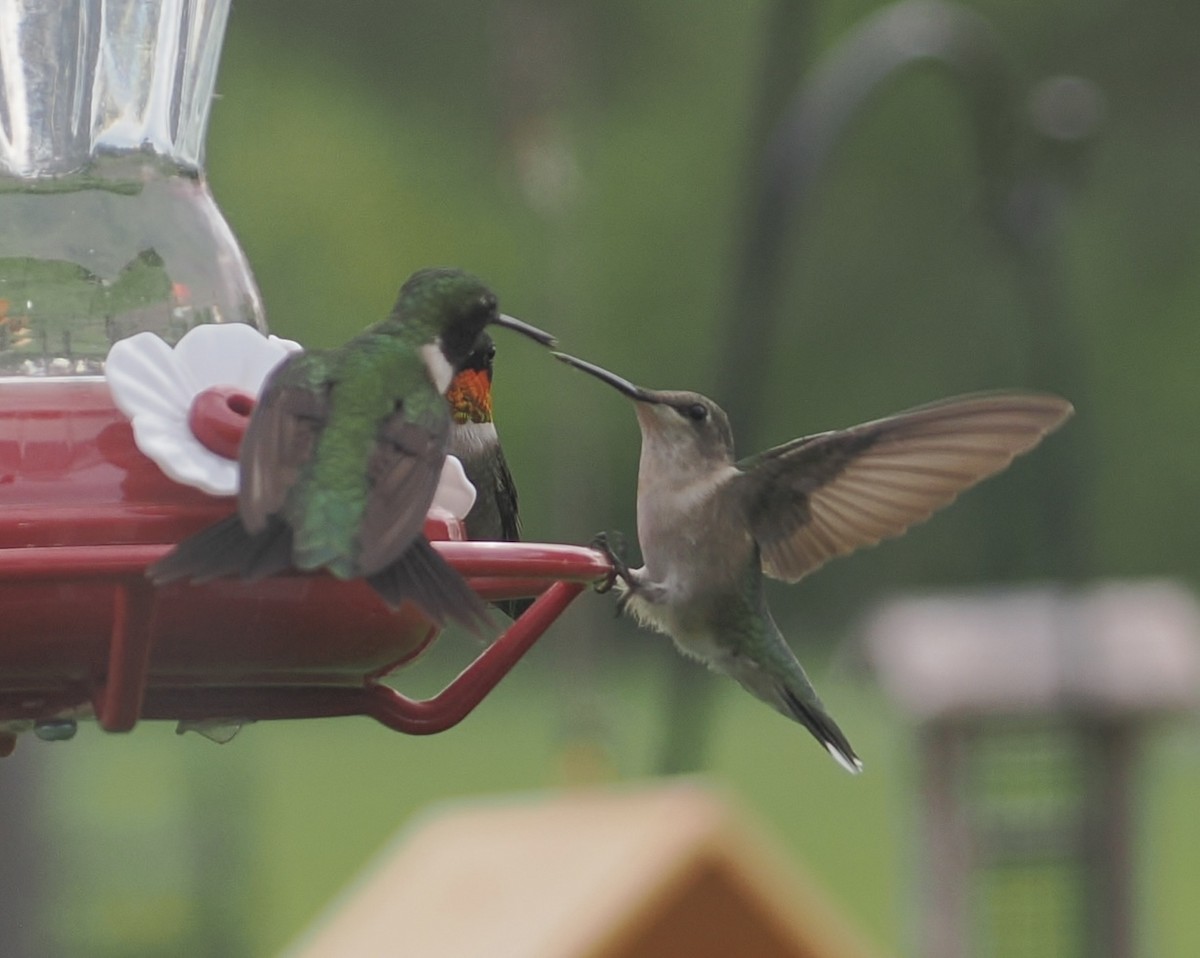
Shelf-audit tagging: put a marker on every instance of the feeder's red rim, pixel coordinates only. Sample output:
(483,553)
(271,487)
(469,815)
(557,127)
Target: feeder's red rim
(523,560)
(126,695)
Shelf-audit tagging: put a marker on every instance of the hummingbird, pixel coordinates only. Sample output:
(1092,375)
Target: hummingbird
(343,452)
(475,443)
(711,527)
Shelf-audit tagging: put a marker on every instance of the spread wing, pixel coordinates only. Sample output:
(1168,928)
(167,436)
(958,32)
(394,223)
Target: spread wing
(281,436)
(822,496)
(403,474)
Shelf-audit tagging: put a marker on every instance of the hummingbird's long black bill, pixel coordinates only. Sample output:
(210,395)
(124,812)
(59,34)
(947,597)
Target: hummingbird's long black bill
(537,335)
(621,385)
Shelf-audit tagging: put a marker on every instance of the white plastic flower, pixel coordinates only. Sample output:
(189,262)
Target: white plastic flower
(155,386)
(455,494)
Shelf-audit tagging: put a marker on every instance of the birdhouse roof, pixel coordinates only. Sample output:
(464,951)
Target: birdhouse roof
(1117,649)
(612,873)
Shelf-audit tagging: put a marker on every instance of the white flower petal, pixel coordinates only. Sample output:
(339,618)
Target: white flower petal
(233,354)
(170,443)
(143,376)
(455,494)
(288,345)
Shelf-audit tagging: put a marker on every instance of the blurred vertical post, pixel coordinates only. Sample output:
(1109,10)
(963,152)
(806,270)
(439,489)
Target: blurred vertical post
(23,869)
(1030,707)
(1064,115)
(691,694)
(537,66)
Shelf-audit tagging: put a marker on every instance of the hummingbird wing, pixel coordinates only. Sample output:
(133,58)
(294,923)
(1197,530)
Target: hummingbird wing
(279,442)
(510,526)
(506,501)
(494,517)
(822,496)
(403,473)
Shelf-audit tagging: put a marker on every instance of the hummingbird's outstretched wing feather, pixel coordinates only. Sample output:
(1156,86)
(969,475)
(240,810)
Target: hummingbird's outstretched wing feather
(292,409)
(822,496)
(403,474)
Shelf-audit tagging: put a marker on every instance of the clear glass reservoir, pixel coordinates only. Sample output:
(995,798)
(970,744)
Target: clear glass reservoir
(107,226)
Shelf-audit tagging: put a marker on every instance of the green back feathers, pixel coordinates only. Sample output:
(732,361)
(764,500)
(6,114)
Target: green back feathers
(375,376)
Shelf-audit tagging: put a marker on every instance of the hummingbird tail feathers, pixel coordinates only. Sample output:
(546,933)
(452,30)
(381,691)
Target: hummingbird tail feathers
(422,576)
(226,549)
(824,729)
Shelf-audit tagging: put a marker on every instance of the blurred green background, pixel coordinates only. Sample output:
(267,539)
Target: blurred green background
(595,162)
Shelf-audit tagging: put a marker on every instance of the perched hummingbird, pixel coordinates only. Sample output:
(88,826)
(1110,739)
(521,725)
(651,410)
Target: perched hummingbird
(343,453)
(710,527)
(474,441)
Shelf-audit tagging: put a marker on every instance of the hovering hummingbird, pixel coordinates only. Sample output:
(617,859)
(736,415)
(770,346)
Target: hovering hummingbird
(474,441)
(343,453)
(710,527)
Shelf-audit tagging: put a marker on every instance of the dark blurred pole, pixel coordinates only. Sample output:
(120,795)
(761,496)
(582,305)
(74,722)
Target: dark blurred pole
(222,832)
(1109,864)
(22,858)
(1064,114)
(946,834)
(802,145)
(538,61)
(691,695)
(785,58)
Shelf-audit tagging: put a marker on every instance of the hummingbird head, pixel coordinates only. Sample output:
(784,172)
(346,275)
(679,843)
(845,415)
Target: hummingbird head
(470,393)
(686,428)
(448,307)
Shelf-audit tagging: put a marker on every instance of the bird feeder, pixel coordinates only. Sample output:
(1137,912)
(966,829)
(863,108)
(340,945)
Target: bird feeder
(107,229)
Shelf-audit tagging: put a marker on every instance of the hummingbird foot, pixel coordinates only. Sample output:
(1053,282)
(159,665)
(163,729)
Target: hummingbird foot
(612,544)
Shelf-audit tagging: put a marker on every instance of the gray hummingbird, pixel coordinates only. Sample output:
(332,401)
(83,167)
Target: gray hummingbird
(711,527)
(474,441)
(343,452)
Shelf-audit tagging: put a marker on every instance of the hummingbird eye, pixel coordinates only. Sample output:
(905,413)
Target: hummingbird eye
(697,412)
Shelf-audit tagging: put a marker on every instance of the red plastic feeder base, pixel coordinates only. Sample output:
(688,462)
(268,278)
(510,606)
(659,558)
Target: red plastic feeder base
(83,512)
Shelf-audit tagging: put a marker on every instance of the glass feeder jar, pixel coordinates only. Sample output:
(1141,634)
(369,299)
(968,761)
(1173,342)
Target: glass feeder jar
(107,226)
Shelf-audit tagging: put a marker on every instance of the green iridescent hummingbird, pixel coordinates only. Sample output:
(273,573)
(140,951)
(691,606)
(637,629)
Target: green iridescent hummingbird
(711,527)
(343,453)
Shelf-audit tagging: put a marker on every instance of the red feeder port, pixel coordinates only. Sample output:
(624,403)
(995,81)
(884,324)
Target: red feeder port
(83,512)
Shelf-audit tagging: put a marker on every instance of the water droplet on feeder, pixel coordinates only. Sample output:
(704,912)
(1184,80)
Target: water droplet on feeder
(55,730)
